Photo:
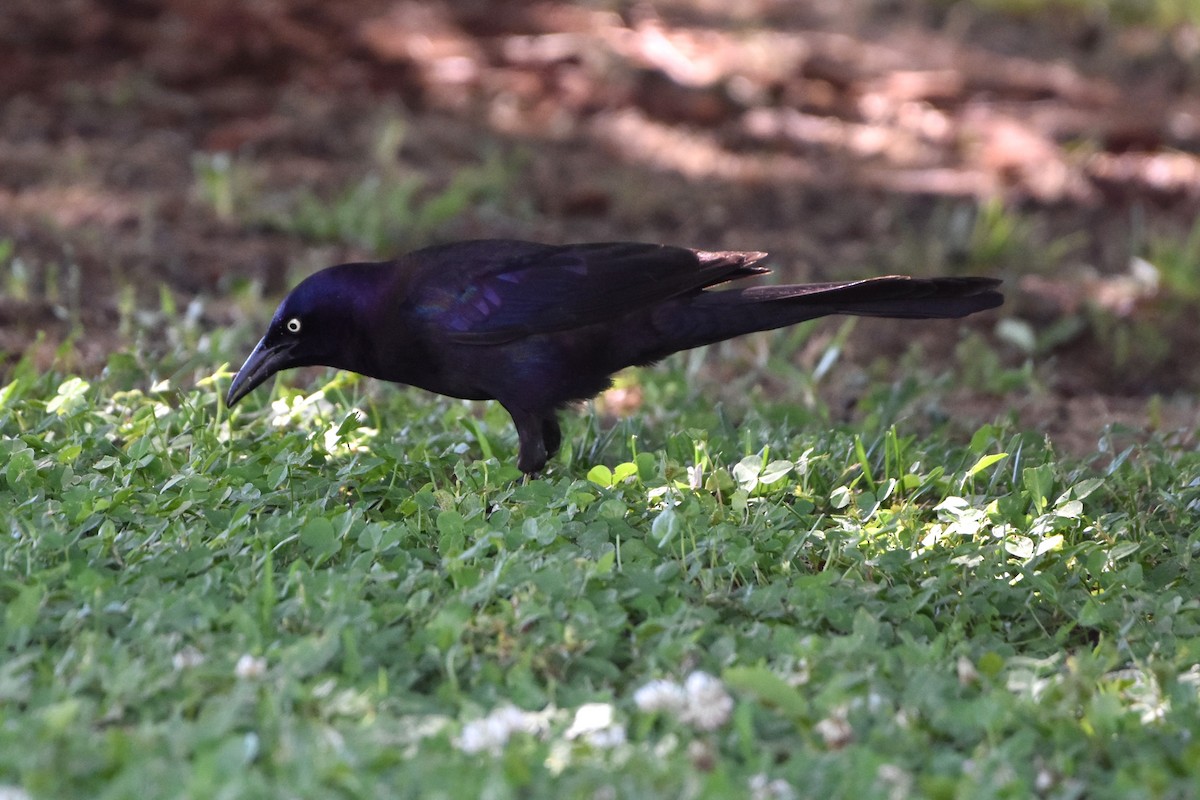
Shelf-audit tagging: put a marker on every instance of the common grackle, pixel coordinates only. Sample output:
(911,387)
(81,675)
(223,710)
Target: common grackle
(538,326)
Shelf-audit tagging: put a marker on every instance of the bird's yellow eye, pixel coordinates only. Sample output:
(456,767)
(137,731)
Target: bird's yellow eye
(293,325)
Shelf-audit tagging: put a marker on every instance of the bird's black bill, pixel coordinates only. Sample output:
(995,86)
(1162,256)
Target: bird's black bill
(261,364)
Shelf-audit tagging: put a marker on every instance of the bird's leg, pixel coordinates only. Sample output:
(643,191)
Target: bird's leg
(531,432)
(551,434)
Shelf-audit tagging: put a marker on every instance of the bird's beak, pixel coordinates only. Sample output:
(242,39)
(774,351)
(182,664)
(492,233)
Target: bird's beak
(261,364)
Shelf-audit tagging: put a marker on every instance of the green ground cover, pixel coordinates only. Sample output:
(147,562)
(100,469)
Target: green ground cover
(350,592)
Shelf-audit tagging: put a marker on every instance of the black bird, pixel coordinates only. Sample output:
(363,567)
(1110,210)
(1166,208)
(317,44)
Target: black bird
(537,326)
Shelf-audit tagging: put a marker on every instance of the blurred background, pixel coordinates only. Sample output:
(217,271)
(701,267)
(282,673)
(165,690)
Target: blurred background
(175,166)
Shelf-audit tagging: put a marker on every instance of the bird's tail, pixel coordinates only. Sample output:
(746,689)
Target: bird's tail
(713,316)
(888,296)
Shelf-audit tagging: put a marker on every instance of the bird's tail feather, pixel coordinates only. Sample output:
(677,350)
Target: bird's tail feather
(900,296)
(714,316)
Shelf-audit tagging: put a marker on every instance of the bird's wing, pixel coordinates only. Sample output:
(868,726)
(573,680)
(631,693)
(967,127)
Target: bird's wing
(543,289)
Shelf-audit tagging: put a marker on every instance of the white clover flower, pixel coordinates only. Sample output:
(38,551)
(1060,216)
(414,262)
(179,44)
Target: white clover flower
(763,788)
(481,735)
(187,658)
(835,729)
(661,695)
(967,672)
(590,717)
(701,702)
(492,732)
(8,792)
(708,705)
(249,667)
(594,723)
(702,754)
(606,739)
(896,780)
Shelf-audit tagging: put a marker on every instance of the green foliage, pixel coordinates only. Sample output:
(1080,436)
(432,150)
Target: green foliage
(1177,260)
(388,210)
(1157,13)
(224,183)
(26,280)
(387,213)
(992,235)
(323,595)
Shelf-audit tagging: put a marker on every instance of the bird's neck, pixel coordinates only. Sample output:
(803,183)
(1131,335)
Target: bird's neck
(385,345)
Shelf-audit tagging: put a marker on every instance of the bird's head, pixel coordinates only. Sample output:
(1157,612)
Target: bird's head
(316,325)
